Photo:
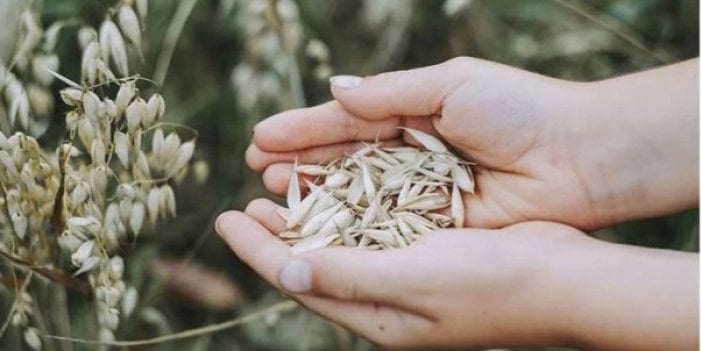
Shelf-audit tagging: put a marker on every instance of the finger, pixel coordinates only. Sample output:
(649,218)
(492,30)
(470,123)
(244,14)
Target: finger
(328,123)
(415,92)
(350,274)
(259,159)
(267,213)
(253,244)
(277,175)
(481,212)
(276,178)
(265,254)
(340,272)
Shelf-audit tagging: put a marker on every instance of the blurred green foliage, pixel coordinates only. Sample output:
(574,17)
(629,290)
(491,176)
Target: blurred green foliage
(581,40)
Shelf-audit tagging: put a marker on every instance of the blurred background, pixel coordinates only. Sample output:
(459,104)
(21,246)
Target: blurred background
(224,65)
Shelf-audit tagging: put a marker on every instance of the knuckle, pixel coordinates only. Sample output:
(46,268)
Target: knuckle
(351,291)
(460,70)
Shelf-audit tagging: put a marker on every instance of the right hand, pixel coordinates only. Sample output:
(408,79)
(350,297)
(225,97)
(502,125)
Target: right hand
(529,284)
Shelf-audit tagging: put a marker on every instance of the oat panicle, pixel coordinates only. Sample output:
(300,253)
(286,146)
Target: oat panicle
(111,178)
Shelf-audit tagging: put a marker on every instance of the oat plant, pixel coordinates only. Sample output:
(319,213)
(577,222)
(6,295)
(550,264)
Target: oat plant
(275,46)
(66,214)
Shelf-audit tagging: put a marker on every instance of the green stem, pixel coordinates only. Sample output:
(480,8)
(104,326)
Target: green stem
(171,39)
(294,78)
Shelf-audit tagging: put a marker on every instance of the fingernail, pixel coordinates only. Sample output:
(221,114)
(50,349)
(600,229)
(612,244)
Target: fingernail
(296,276)
(345,81)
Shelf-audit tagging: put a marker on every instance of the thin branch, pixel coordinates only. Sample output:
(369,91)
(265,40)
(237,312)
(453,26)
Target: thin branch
(55,275)
(280,307)
(611,24)
(171,39)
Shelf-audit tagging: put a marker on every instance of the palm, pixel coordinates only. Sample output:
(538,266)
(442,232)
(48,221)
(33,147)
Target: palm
(526,178)
(523,173)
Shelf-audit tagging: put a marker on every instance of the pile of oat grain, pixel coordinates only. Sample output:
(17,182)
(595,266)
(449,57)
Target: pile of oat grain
(378,197)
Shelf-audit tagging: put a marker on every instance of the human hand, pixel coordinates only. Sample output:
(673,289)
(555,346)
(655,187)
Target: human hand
(451,288)
(500,117)
(547,149)
(534,283)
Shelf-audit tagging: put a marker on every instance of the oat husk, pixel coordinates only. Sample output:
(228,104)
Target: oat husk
(378,197)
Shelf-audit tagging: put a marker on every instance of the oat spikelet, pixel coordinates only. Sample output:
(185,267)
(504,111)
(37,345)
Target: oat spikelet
(129,23)
(429,142)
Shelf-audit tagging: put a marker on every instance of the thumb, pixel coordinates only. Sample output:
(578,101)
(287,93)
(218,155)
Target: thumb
(345,274)
(415,92)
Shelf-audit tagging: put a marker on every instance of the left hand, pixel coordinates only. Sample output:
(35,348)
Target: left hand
(461,287)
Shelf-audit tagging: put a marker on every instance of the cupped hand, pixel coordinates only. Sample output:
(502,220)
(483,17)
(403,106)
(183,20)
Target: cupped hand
(512,123)
(462,287)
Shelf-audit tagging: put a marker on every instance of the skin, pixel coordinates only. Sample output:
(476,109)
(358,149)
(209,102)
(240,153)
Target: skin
(583,154)
(529,284)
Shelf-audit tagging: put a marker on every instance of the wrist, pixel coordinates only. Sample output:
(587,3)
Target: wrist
(633,143)
(598,145)
(562,287)
(572,275)
(627,298)
(542,309)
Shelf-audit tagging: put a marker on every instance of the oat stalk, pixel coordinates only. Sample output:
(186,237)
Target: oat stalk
(280,307)
(163,62)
